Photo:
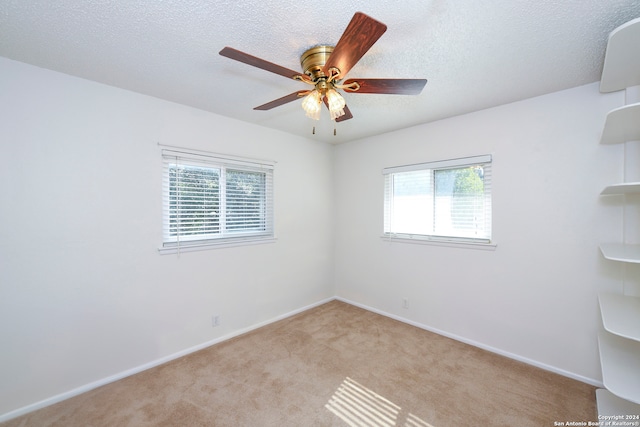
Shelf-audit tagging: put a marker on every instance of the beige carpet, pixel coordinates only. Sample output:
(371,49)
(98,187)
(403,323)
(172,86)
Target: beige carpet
(334,365)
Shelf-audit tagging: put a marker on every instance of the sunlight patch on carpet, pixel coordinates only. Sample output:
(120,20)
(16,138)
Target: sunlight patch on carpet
(359,406)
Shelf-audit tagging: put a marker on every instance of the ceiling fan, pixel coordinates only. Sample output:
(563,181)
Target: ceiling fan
(325,68)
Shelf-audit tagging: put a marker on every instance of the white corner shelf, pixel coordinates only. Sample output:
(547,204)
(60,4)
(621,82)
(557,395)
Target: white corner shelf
(609,404)
(622,125)
(619,343)
(621,315)
(622,58)
(621,252)
(624,188)
(620,361)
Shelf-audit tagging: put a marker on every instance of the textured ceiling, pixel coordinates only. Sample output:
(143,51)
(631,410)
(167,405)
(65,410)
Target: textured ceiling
(474,54)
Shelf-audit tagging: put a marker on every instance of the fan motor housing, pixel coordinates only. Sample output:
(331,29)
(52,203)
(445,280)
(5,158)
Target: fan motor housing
(313,61)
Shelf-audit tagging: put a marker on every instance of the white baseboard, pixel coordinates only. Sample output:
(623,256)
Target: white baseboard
(528,361)
(121,375)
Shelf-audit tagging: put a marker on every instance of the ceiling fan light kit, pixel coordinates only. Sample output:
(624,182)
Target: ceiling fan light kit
(324,67)
(336,104)
(312,105)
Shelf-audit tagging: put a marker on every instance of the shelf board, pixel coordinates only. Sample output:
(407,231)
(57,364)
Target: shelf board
(609,404)
(624,188)
(621,252)
(620,360)
(621,314)
(622,124)
(622,58)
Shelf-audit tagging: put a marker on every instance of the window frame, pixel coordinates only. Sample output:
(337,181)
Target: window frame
(445,240)
(175,243)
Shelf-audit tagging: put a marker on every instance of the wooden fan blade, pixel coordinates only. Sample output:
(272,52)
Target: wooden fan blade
(346,116)
(257,62)
(388,86)
(361,33)
(281,101)
(347,113)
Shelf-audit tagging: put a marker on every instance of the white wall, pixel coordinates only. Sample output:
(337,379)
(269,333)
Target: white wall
(84,293)
(534,297)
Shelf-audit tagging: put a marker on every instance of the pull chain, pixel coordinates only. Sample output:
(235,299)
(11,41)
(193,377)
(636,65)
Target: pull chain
(313,132)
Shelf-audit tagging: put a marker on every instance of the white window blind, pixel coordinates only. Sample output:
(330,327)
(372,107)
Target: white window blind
(212,199)
(448,200)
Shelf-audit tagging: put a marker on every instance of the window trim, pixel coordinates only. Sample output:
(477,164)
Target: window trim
(441,164)
(397,238)
(449,241)
(226,162)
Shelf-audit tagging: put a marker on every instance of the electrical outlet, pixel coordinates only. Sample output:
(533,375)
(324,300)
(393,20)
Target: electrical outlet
(215,320)
(405,302)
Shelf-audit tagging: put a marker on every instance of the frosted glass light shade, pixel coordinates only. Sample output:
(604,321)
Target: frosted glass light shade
(336,104)
(312,105)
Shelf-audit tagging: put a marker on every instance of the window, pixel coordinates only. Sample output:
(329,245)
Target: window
(211,200)
(448,200)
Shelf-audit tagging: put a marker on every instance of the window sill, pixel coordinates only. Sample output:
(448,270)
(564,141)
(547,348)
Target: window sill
(441,242)
(192,247)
